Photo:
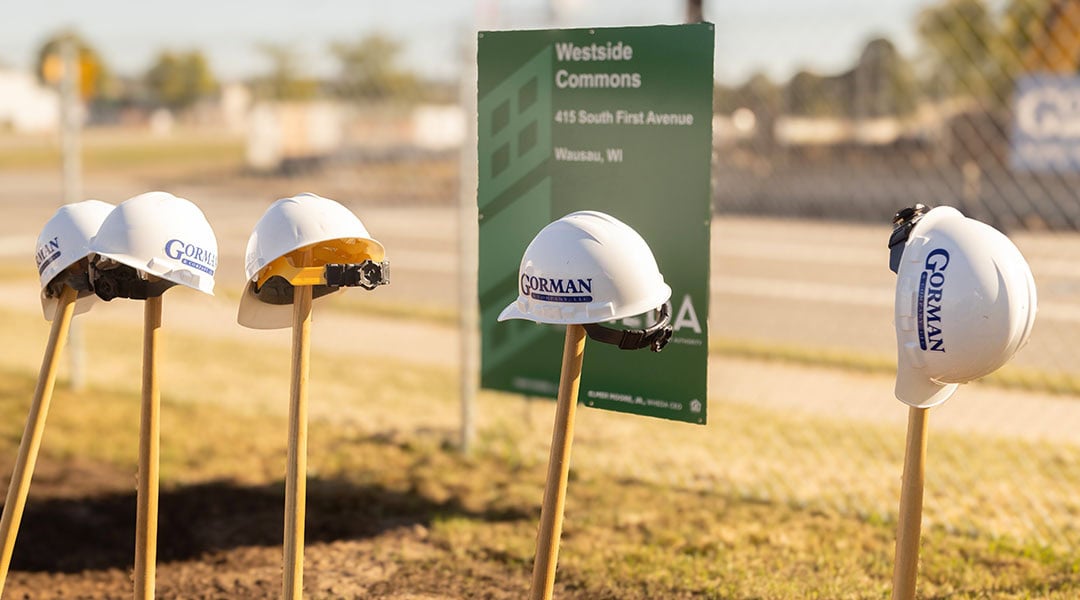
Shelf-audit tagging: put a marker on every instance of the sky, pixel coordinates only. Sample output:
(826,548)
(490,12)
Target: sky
(778,37)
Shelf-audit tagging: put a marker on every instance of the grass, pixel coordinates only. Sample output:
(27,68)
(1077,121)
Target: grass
(126,151)
(1009,376)
(11,271)
(624,537)
(757,505)
(366,306)
(354,304)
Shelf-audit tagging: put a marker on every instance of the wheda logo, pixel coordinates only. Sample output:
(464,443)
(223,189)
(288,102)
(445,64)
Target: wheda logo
(46,254)
(550,289)
(931,289)
(191,255)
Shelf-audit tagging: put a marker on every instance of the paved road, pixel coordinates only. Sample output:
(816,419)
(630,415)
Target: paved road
(816,284)
(795,282)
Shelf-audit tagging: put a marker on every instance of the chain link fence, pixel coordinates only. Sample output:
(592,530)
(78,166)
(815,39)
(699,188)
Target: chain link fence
(982,112)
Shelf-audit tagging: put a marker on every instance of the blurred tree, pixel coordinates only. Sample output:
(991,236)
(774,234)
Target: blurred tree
(759,93)
(179,80)
(811,95)
(884,82)
(722,101)
(1038,35)
(765,99)
(286,80)
(976,51)
(369,71)
(95,81)
(960,37)
(1023,23)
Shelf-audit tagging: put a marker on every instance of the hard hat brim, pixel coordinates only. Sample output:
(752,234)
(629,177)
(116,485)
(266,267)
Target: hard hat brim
(82,305)
(256,314)
(513,312)
(914,389)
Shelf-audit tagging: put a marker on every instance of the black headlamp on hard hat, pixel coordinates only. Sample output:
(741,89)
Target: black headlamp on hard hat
(654,337)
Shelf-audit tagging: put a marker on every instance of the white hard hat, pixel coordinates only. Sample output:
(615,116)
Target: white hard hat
(65,242)
(343,254)
(586,268)
(153,234)
(965,302)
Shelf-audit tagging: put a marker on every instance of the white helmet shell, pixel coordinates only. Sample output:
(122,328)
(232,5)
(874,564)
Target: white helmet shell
(288,225)
(587,267)
(965,304)
(162,235)
(64,241)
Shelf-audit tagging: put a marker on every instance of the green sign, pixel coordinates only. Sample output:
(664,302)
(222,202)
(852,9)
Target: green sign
(616,120)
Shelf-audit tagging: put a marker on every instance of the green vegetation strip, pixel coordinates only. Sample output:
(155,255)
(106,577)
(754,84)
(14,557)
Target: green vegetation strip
(135,150)
(369,307)
(1010,377)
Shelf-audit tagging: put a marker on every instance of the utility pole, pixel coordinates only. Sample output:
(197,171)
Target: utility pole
(468,253)
(71,166)
(695,12)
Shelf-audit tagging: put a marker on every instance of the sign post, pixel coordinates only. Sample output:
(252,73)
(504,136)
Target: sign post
(617,120)
(467,260)
(19,487)
(71,165)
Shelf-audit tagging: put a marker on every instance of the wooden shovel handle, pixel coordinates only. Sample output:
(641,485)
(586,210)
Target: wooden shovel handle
(296,466)
(19,487)
(146,520)
(909,527)
(562,438)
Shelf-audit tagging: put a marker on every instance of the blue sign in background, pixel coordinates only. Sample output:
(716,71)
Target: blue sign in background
(1046,124)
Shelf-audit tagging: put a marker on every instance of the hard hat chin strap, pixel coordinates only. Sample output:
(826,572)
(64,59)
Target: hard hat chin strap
(654,338)
(903,222)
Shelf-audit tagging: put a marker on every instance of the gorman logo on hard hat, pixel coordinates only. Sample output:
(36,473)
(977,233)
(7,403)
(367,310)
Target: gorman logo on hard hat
(931,289)
(191,255)
(46,254)
(550,289)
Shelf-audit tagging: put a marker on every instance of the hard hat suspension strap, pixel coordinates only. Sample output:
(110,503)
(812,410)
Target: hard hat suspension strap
(654,338)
